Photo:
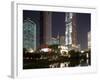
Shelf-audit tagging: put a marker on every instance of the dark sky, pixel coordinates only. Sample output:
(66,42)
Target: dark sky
(58,24)
(83,27)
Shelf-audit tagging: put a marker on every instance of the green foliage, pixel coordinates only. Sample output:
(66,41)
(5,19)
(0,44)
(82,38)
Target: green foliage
(54,46)
(74,54)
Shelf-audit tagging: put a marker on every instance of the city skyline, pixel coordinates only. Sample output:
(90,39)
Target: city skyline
(56,39)
(58,24)
(83,26)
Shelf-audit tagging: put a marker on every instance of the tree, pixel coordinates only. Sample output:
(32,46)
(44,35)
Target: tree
(74,54)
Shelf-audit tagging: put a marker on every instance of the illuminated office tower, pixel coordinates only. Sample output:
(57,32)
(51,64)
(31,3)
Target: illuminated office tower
(89,40)
(62,40)
(29,34)
(71,32)
(47,27)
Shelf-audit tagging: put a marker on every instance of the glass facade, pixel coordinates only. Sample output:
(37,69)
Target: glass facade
(29,34)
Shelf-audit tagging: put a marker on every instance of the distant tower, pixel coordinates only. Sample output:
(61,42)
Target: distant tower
(58,38)
(62,40)
(74,32)
(71,32)
(89,40)
(47,27)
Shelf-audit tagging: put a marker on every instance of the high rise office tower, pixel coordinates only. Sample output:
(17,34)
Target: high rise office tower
(47,27)
(74,32)
(29,34)
(71,31)
(89,40)
(62,40)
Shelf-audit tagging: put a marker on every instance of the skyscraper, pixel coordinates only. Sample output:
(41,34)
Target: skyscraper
(37,29)
(29,34)
(89,40)
(71,31)
(47,27)
(62,40)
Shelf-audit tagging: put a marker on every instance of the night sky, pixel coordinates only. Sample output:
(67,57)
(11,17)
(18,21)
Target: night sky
(83,27)
(58,24)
